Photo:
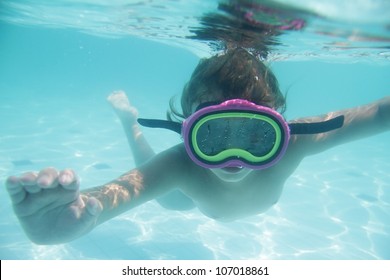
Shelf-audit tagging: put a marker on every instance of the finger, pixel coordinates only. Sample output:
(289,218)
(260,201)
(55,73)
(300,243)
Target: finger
(29,182)
(15,189)
(48,178)
(94,207)
(68,179)
(28,178)
(13,184)
(86,211)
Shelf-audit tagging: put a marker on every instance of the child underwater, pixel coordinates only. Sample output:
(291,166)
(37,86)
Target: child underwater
(237,153)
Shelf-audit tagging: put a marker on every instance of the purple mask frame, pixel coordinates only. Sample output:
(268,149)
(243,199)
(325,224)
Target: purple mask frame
(235,105)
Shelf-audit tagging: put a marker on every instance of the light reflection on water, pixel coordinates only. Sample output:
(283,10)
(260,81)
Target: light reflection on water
(339,31)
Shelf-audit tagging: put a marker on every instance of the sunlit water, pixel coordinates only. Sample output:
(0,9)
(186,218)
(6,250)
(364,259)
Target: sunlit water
(54,79)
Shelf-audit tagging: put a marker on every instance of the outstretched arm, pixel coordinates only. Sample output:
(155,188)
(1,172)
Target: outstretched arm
(146,182)
(128,116)
(359,122)
(52,210)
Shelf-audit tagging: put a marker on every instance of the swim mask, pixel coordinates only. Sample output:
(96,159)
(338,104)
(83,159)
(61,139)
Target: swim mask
(239,133)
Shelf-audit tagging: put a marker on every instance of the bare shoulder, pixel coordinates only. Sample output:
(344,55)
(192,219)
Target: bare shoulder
(171,165)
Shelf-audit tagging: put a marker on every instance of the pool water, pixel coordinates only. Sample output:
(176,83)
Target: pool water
(53,112)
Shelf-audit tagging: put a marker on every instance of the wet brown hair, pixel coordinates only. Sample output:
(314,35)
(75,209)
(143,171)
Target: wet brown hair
(234,74)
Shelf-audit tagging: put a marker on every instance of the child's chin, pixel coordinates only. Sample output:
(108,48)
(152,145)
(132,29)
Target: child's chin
(231,174)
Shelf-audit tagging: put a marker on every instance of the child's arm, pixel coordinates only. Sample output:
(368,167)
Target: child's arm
(128,114)
(359,122)
(155,178)
(51,208)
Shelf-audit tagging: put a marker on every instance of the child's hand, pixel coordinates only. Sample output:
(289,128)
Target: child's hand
(50,207)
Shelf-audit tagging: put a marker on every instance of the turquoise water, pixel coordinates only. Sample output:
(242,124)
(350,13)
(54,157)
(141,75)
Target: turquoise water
(53,111)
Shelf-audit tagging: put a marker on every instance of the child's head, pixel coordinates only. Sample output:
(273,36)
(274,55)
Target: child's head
(234,74)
